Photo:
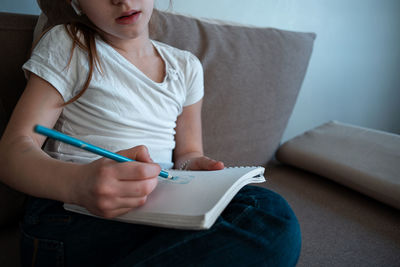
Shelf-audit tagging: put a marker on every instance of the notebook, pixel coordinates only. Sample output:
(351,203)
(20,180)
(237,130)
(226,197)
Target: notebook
(191,200)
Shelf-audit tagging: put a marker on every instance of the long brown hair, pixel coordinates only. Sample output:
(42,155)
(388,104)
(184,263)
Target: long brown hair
(74,30)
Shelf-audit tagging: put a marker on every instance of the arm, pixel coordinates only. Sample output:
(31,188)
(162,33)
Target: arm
(104,187)
(189,143)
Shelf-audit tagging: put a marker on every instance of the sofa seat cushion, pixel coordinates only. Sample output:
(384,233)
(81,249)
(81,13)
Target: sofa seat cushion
(363,159)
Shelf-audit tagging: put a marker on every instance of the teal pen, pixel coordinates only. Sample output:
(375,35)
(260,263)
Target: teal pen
(86,146)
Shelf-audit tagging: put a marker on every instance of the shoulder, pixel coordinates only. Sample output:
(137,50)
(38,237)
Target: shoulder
(187,68)
(57,34)
(179,58)
(53,60)
(179,53)
(54,42)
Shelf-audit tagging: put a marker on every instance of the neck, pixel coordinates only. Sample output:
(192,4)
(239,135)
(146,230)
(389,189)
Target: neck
(140,46)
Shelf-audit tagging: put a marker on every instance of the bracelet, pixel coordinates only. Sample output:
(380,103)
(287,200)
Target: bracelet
(185,165)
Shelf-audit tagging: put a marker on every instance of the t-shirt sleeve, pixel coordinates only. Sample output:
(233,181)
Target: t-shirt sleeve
(195,81)
(50,60)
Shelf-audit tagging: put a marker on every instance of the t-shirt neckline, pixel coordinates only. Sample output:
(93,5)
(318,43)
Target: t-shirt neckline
(167,67)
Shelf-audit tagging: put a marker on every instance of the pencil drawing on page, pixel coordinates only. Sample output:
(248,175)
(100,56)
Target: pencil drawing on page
(178,179)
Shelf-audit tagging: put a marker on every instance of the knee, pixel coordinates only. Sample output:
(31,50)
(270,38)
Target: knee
(281,235)
(286,244)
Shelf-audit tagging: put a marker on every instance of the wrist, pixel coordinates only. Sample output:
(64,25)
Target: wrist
(74,185)
(185,165)
(184,161)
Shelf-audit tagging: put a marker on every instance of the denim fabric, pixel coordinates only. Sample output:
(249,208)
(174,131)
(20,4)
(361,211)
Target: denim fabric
(257,228)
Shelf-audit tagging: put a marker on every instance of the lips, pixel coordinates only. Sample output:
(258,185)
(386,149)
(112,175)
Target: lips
(128,17)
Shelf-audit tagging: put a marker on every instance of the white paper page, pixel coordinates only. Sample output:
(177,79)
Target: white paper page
(195,197)
(185,201)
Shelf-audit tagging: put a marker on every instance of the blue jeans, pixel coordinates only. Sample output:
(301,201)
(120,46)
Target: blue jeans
(257,228)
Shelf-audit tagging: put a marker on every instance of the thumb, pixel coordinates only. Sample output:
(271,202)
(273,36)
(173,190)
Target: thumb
(138,153)
(205,163)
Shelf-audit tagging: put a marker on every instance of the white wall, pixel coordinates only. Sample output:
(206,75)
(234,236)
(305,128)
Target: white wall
(19,6)
(354,73)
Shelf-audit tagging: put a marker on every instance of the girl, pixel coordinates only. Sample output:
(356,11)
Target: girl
(107,83)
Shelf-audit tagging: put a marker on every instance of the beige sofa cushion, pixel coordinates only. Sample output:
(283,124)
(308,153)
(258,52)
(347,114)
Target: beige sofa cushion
(252,79)
(363,159)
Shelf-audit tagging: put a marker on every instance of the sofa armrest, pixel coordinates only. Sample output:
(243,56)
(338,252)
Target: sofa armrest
(363,159)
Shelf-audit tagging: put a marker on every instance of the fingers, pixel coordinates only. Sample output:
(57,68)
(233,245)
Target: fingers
(129,189)
(115,197)
(138,153)
(138,169)
(215,165)
(131,179)
(130,171)
(110,208)
(205,163)
(141,168)
(111,188)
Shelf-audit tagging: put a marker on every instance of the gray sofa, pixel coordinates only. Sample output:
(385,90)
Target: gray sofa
(252,79)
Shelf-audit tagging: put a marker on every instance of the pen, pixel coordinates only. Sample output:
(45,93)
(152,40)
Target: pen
(86,146)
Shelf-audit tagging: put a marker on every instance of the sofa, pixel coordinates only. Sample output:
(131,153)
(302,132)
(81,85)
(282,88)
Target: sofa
(252,79)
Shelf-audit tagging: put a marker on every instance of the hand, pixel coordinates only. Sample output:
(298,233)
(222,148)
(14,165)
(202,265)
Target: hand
(204,163)
(109,188)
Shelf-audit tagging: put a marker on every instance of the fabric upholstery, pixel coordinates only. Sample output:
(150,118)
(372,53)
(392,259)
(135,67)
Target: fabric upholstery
(363,159)
(339,226)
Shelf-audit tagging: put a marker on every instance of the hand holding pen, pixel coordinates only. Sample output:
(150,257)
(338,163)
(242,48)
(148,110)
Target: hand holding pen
(109,188)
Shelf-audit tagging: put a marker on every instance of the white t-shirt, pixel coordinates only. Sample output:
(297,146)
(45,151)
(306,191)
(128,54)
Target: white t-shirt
(122,107)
